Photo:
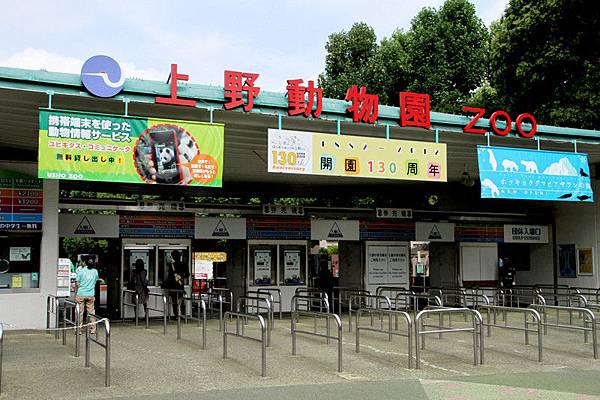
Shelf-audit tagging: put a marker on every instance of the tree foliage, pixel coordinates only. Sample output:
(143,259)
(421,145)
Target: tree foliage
(545,58)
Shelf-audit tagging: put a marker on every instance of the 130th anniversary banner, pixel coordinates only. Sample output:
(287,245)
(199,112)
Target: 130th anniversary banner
(294,152)
(99,147)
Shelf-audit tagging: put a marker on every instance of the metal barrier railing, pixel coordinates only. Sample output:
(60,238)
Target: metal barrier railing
(391,292)
(219,297)
(584,311)
(263,329)
(201,304)
(225,293)
(299,300)
(268,296)
(258,307)
(73,321)
(278,301)
(339,294)
(451,296)
(537,320)
(476,329)
(592,294)
(1,351)
(105,345)
(53,307)
(164,311)
(135,304)
(370,301)
(475,299)
(389,332)
(315,314)
(409,301)
(317,296)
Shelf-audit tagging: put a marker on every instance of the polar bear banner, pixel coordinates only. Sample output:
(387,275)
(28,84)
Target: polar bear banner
(530,167)
(492,186)
(493,161)
(510,166)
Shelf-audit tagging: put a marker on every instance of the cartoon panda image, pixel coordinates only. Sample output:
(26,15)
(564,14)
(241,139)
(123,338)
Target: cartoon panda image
(187,148)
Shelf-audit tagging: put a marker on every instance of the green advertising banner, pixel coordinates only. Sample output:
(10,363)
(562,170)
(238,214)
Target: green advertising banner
(112,148)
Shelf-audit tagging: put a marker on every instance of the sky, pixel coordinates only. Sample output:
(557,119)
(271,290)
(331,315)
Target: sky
(280,40)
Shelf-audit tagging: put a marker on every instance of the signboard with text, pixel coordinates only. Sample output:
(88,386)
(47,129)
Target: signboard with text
(21,202)
(387,264)
(508,173)
(110,148)
(526,233)
(295,152)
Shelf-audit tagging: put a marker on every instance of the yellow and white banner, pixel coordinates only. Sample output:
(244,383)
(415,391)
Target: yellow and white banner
(296,152)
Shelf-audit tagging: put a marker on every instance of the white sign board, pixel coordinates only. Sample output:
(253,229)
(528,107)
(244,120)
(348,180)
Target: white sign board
(220,228)
(262,265)
(19,254)
(292,264)
(405,213)
(63,277)
(526,233)
(203,269)
(88,225)
(434,232)
(387,264)
(271,209)
(334,230)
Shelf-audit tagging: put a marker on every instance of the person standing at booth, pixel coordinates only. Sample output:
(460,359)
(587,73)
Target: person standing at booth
(178,274)
(140,284)
(86,292)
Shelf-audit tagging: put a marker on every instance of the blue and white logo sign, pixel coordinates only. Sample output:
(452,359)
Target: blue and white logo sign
(102,77)
(508,173)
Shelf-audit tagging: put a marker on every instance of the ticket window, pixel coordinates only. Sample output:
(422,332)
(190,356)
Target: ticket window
(131,256)
(292,264)
(263,264)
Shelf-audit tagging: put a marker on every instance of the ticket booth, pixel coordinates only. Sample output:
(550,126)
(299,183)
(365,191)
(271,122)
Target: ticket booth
(281,264)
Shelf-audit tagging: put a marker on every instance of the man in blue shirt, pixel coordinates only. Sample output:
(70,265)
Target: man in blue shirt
(86,290)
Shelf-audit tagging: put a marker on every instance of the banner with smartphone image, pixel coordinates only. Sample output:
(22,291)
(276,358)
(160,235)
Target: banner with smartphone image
(113,148)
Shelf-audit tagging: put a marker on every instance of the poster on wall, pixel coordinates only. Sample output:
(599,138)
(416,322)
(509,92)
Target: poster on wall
(586,261)
(262,267)
(398,264)
(111,148)
(508,173)
(567,259)
(291,273)
(377,265)
(202,266)
(63,277)
(296,152)
(20,254)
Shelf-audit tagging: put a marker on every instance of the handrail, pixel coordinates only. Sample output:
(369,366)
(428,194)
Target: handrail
(265,295)
(370,298)
(263,329)
(477,330)
(525,311)
(305,291)
(165,310)
(414,296)
(391,292)
(584,328)
(219,297)
(53,308)
(444,293)
(73,322)
(1,351)
(135,304)
(201,306)
(267,307)
(390,332)
(474,299)
(309,299)
(105,346)
(316,314)
(278,301)
(342,293)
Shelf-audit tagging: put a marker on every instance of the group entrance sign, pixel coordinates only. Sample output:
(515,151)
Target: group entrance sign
(110,148)
(508,173)
(295,152)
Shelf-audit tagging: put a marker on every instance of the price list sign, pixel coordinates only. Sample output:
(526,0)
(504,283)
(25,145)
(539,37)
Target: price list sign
(21,202)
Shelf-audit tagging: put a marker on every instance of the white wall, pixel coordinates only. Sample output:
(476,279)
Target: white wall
(576,223)
(28,310)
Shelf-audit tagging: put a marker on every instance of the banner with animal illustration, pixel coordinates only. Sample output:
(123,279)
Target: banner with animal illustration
(115,148)
(509,173)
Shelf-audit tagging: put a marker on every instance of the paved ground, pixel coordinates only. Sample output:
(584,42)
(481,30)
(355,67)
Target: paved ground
(148,365)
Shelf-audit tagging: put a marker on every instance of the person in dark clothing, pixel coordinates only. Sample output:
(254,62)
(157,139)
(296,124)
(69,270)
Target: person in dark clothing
(178,274)
(140,284)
